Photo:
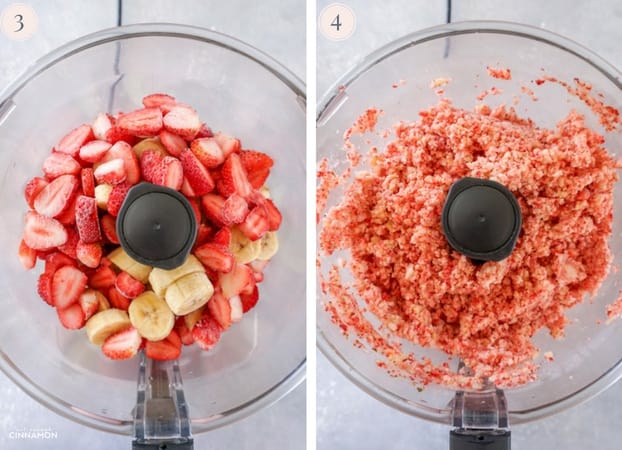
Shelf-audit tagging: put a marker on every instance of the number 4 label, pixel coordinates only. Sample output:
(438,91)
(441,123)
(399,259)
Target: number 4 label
(337,22)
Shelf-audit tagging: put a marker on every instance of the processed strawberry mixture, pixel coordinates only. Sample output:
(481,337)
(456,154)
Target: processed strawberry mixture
(404,272)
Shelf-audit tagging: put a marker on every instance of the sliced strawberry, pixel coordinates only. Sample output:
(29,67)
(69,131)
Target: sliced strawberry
(196,209)
(256,223)
(69,247)
(87,220)
(227,143)
(68,216)
(171,173)
(89,254)
(162,101)
(102,123)
(123,344)
(237,309)
(56,196)
(198,176)
(222,237)
(128,286)
(183,331)
(88,181)
(220,309)
(103,278)
(183,121)
(56,260)
(151,165)
(234,210)
(168,348)
(204,131)
(236,281)
(274,215)
(68,284)
(249,300)
(122,150)
(208,152)
(174,144)
(32,189)
(110,172)
(44,287)
(70,144)
(42,233)
(186,189)
(94,150)
(206,332)
(216,257)
(90,301)
(141,122)
(117,299)
(213,206)
(233,178)
(116,198)
(203,234)
(71,317)
(27,256)
(57,164)
(109,228)
(116,134)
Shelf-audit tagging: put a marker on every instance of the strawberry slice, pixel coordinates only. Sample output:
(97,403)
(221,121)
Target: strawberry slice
(71,317)
(220,309)
(228,144)
(196,209)
(183,331)
(102,123)
(234,210)
(87,220)
(206,332)
(94,150)
(249,300)
(57,164)
(116,198)
(203,234)
(123,344)
(128,286)
(42,233)
(68,283)
(257,165)
(110,172)
(89,254)
(222,237)
(122,150)
(90,301)
(116,134)
(213,206)
(170,173)
(117,299)
(216,257)
(56,196)
(183,121)
(69,247)
(237,309)
(198,176)
(150,165)
(186,189)
(208,152)
(102,278)
(32,189)
(70,144)
(256,223)
(204,131)
(88,181)
(167,348)
(236,281)
(56,260)
(233,178)
(68,216)
(44,287)
(174,144)
(141,122)
(274,215)
(109,228)
(27,256)
(163,101)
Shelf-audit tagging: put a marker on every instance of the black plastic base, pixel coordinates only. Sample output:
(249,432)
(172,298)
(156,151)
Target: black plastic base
(185,444)
(460,439)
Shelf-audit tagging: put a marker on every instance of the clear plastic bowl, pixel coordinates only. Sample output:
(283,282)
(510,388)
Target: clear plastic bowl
(588,359)
(236,89)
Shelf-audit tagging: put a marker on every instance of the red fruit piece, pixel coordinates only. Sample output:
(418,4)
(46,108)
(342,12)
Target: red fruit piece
(68,284)
(249,300)
(110,172)
(118,300)
(56,260)
(196,209)
(123,344)
(88,181)
(237,280)
(204,131)
(44,287)
(170,173)
(57,164)
(71,317)
(213,206)
(184,333)
(198,176)
(103,278)
(141,122)
(208,152)
(233,178)
(116,134)
(89,302)
(89,254)
(220,309)
(94,150)
(174,144)
(274,215)
(56,196)
(42,233)
(69,247)
(234,210)
(87,221)
(183,121)
(206,332)
(122,150)
(32,189)
(102,123)
(167,348)
(186,189)
(128,286)
(222,237)
(227,143)
(70,144)
(216,257)
(27,256)
(68,216)
(203,235)
(163,101)
(256,223)
(116,198)
(109,228)
(150,165)
(257,165)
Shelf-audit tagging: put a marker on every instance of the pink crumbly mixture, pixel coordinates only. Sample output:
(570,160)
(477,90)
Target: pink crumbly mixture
(423,291)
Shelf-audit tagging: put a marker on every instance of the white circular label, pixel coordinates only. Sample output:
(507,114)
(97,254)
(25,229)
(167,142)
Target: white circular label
(18,21)
(337,22)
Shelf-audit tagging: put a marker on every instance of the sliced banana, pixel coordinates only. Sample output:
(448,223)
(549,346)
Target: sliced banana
(151,316)
(193,317)
(188,293)
(244,250)
(102,193)
(149,144)
(264,191)
(125,262)
(161,279)
(105,323)
(268,245)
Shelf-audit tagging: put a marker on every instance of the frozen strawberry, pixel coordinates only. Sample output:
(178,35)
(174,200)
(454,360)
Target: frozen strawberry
(208,152)
(151,165)
(89,254)
(103,278)
(228,144)
(236,281)
(183,331)
(90,301)
(116,198)
(220,309)
(68,216)
(68,283)
(32,189)
(141,122)
(57,164)
(216,257)
(122,150)
(56,196)
(94,150)
(186,189)
(70,144)
(256,223)
(166,349)
(206,332)
(27,256)
(123,344)
(44,287)
(128,286)
(222,237)
(117,299)
(183,121)
(203,234)
(109,228)
(116,134)
(213,206)
(233,178)
(273,214)
(42,233)
(163,101)
(234,210)
(87,181)
(198,176)
(56,260)
(204,131)
(174,144)
(196,209)
(237,309)
(72,317)
(69,247)
(110,172)
(249,300)
(102,123)
(257,165)
(170,173)
(87,220)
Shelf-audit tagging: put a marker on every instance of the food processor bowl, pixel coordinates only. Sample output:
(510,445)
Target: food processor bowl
(235,89)
(397,80)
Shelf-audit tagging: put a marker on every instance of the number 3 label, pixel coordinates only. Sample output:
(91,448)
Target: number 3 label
(18,21)
(337,22)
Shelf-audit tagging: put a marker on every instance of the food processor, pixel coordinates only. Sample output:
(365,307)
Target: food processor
(236,89)
(396,79)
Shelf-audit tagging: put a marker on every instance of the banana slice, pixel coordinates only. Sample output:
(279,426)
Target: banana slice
(106,323)
(244,250)
(269,245)
(193,317)
(151,316)
(102,193)
(264,191)
(188,293)
(161,279)
(149,144)
(123,261)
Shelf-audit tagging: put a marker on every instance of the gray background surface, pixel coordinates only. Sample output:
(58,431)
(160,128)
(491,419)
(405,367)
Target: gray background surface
(349,419)
(274,26)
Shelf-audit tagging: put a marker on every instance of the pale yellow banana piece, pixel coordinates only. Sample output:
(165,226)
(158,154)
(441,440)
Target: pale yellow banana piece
(151,316)
(105,323)
(268,245)
(264,191)
(125,262)
(193,317)
(244,250)
(188,293)
(149,144)
(161,279)
(102,193)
